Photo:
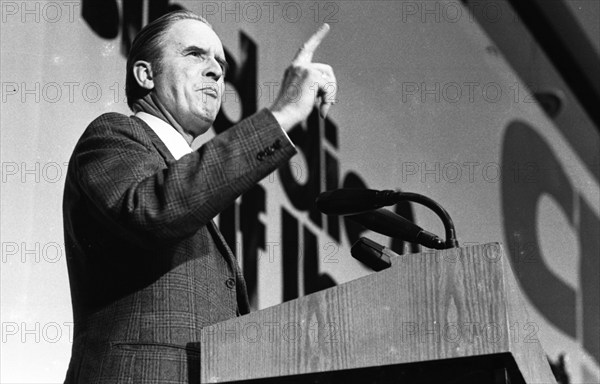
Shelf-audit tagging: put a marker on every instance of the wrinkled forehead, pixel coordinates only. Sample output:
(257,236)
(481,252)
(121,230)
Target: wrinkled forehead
(186,33)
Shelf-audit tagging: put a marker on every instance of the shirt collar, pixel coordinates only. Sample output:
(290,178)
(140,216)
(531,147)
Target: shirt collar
(172,139)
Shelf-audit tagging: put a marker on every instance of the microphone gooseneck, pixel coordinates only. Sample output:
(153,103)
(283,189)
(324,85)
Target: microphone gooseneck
(349,201)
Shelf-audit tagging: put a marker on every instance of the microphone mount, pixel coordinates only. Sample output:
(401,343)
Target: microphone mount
(450,230)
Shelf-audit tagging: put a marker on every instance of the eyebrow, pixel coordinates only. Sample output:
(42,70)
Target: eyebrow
(220,60)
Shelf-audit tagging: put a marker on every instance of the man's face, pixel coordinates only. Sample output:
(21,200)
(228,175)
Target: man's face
(189,84)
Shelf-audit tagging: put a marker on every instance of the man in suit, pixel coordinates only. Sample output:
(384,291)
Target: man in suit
(147,266)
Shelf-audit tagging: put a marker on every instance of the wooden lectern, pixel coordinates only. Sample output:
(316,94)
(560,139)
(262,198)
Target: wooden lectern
(451,316)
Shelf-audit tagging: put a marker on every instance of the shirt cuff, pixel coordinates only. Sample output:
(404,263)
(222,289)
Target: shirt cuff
(282,130)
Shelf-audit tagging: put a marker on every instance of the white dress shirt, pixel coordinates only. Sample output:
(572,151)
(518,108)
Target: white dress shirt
(172,139)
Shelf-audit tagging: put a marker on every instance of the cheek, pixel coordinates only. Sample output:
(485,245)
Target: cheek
(170,91)
(179,85)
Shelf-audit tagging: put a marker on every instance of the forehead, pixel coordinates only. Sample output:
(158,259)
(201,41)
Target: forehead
(190,32)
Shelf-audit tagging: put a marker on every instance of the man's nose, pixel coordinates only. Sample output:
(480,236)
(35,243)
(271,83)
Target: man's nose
(213,70)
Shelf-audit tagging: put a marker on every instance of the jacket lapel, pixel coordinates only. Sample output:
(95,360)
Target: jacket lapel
(212,228)
(158,143)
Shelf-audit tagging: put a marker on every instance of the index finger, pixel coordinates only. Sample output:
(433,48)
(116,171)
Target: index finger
(305,54)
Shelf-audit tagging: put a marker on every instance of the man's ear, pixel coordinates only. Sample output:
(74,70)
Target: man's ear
(142,71)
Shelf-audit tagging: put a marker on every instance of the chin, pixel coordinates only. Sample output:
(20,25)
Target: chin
(203,124)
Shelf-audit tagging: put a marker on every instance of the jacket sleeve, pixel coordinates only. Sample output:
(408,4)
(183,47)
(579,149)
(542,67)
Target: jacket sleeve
(125,178)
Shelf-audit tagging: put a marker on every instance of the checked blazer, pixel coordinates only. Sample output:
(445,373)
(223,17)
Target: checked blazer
(147,266)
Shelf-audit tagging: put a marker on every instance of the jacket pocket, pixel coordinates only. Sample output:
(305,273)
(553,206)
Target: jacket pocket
(162,362)
(150,346)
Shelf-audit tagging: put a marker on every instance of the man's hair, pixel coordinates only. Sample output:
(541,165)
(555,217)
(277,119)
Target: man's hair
(147,46)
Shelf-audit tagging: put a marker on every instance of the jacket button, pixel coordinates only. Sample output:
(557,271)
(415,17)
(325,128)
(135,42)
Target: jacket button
(269,151)
(277,144)
(260,156)
(230,283)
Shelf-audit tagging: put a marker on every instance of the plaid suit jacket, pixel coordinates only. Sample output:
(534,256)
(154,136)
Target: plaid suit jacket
(147,266)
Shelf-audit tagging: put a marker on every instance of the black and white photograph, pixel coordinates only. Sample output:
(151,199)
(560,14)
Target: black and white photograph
(303,191)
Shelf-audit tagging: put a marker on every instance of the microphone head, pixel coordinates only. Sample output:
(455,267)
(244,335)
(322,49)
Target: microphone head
(350,201)
(371,254)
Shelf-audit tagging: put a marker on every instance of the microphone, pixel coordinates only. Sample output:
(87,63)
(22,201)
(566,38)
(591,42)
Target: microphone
(350,201)
(353,201)
(390,224)
(371,254)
